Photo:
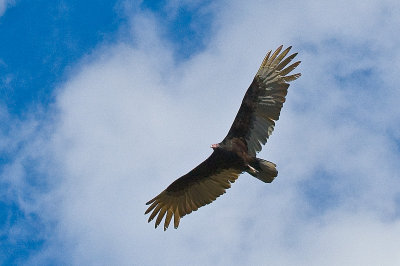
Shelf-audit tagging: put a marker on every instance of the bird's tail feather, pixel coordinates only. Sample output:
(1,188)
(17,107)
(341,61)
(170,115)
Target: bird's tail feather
(264,170)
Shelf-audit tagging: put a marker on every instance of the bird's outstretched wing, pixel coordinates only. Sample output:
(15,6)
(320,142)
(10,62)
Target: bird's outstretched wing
(263,100)
(197,188)
(254,123)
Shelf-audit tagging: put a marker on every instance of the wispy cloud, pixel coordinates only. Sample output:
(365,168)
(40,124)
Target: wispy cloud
(4,4)
(130,119)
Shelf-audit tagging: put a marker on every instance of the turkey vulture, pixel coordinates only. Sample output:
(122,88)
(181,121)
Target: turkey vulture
(236,154)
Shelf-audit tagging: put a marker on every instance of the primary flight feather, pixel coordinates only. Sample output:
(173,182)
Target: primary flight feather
(236,154)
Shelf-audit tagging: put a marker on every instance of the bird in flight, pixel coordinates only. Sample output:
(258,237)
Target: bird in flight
(236,153)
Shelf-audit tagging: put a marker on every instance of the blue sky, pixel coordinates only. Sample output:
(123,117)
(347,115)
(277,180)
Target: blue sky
(102,105)
(42,40)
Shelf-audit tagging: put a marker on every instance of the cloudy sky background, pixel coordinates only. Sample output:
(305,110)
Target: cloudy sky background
(104,105)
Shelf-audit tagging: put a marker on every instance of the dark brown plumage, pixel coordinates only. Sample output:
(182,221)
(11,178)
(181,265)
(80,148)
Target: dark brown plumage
(252,126)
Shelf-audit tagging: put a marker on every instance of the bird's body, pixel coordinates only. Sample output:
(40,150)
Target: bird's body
(236,154)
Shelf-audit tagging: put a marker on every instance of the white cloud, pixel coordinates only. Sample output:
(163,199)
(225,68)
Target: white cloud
(4,4)
(130,119)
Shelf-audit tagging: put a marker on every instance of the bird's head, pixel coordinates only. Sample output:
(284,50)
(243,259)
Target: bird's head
(215,146)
